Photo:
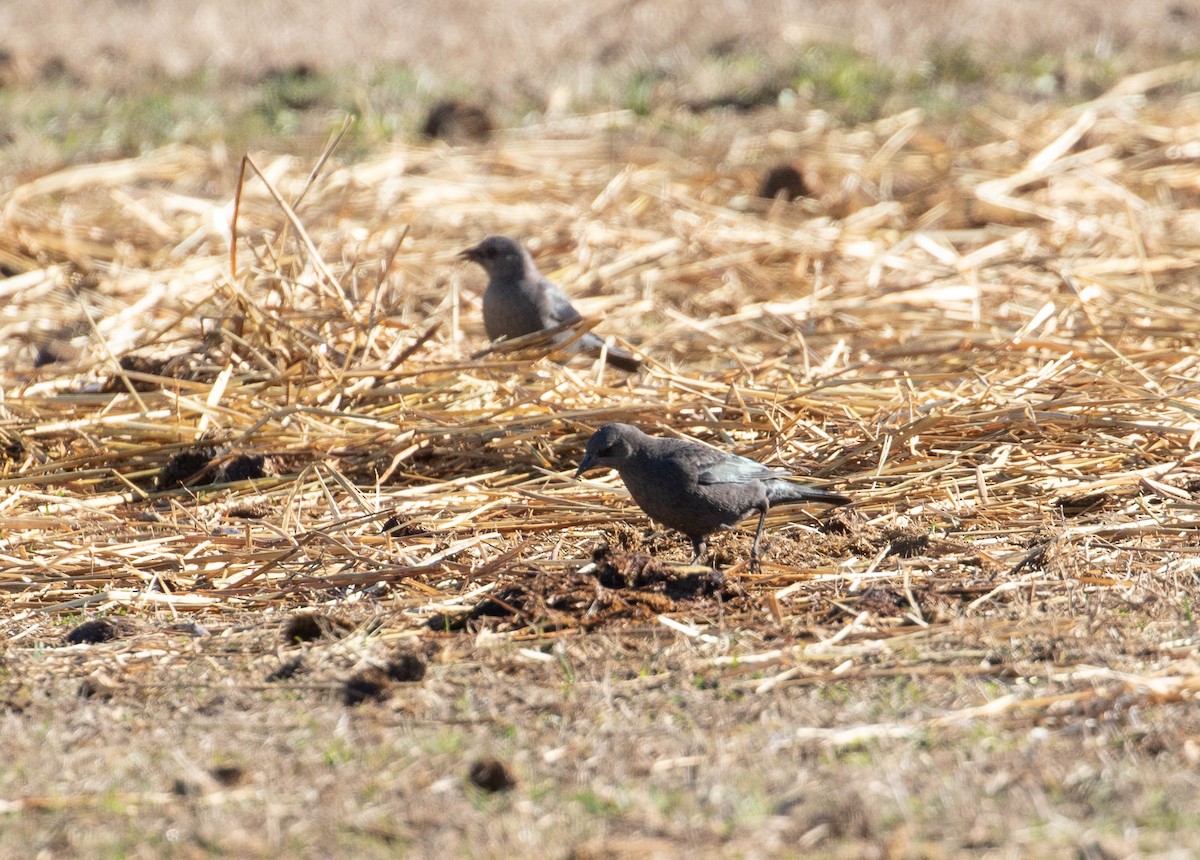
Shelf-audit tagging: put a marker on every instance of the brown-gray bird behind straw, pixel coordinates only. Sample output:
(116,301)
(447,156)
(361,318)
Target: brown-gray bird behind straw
(691,487)
(520,301)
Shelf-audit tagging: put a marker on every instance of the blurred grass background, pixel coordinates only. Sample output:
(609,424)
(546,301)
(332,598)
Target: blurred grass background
(84,80)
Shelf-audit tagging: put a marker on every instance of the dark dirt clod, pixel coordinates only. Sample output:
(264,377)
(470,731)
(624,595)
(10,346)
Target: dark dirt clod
(406,668)
(11,448)
(882,601)
(502,603)
(96,631)
(783,180)
(458,121)
(448,622)
(370,685)
(311,626)
(607,573)
(837,524)
(627,570)
(397,527)
(228,775)
(136,364)
(491,774)
(303,627)
(183,788)
(196,466)
(690,586)
(56,350)
(244,467)
(186,467)
(646,573)
(1087,503)
(908,544)
(609,577)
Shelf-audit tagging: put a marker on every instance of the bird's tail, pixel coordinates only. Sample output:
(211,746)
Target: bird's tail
(782,492)
(623,361)
(618,358)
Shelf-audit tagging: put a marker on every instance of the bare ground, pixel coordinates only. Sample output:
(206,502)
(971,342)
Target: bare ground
(631,738)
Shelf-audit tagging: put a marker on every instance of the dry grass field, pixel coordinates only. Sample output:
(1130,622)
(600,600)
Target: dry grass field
(293,564)
(530,42)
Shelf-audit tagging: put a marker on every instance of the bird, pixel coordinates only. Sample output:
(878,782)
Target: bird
(519,300)
(694,488)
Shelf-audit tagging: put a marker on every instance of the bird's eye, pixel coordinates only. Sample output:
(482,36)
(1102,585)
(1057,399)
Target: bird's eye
(607,450)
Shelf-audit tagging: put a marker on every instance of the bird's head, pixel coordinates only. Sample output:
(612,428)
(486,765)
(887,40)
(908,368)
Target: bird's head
(500,257)
(612,445)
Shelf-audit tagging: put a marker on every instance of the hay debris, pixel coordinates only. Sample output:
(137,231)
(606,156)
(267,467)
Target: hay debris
(990,346)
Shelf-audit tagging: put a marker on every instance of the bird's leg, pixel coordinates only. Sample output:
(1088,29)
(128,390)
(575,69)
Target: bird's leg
(762,518)
(698,546)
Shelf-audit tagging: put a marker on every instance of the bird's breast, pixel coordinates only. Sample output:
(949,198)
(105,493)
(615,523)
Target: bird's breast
(508,313)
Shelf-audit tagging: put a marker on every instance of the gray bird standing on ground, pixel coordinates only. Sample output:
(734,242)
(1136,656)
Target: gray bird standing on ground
(691,487)
(519,300)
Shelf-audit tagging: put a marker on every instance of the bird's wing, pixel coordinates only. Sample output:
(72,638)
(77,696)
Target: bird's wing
(554,306)
(732,469)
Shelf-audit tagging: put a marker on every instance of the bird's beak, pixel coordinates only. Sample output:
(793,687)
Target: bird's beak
(471,254)
(586,463)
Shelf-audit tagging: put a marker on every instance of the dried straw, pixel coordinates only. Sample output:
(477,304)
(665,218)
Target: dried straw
(990,346)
